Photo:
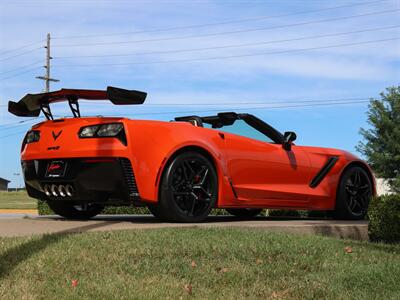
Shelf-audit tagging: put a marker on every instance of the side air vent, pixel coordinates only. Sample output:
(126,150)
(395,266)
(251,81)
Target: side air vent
(129,177)
(323,172)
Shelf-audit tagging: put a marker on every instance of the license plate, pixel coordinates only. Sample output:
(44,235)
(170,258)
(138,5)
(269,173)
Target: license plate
(56,169)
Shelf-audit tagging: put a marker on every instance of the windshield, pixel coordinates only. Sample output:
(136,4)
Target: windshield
(240,127)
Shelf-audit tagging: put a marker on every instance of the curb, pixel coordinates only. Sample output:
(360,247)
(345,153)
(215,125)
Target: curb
(19,211)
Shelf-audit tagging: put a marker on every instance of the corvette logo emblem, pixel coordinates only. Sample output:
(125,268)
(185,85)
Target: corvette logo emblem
(56,135)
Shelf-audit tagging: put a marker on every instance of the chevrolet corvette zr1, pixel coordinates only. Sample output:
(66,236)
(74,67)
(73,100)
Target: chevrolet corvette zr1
(180,169)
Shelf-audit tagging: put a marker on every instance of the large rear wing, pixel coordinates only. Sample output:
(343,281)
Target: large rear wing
(32,104)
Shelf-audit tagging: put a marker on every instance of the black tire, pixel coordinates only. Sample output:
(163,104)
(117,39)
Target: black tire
(353,195)
(73,211)
(244,212)
(188,190)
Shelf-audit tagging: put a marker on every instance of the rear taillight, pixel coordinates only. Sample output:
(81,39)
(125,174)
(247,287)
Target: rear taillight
(31,136)
(104,131)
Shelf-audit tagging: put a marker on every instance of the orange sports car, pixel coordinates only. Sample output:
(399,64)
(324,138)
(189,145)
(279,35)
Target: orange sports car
(180,169)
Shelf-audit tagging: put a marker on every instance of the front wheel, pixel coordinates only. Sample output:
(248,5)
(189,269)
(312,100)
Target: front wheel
(189,189)
(353,195)
(244,212)
(75,211)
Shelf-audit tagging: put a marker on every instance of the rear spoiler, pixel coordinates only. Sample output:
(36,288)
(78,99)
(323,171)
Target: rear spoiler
(32,104)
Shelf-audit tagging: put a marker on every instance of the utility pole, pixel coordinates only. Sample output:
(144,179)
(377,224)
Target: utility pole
(47,77)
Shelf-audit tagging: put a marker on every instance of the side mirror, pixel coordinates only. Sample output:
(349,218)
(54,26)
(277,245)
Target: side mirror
(288,138)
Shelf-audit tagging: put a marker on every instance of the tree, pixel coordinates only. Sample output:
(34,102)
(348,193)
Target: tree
(381,145)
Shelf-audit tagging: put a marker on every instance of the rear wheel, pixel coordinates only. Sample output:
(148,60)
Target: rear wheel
(244,212)
(75,211)
(188,190)
(353,195)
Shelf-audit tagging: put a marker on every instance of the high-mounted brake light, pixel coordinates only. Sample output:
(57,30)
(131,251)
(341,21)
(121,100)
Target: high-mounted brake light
(104,130)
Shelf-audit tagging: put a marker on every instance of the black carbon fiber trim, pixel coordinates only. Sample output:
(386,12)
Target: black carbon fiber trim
(324,171)
(129,177)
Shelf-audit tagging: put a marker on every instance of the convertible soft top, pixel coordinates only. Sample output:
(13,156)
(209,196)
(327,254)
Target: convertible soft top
(31,104)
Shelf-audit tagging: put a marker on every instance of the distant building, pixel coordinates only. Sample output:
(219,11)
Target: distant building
(4,184)
(382,187)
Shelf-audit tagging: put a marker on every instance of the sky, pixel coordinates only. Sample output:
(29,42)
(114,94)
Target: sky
(289,62)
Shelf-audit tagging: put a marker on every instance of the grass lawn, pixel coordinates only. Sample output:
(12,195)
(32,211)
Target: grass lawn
(196,263)
(16,200)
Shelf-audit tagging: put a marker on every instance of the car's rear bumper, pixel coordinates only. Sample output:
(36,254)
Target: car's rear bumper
(100,179)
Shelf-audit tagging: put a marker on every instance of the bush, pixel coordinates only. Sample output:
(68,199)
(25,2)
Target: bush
(44,209)
(384,219)
(219,212)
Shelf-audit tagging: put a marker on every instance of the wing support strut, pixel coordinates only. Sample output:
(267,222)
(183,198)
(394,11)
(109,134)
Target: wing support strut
(74,105)
(45,108)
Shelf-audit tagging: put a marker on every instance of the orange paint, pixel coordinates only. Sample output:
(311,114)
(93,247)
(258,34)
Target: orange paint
(262,174)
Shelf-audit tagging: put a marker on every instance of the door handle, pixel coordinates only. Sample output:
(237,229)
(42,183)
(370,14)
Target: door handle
(221,135)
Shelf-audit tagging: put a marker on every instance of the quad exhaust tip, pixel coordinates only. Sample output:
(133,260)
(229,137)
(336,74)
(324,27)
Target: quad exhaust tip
(59,190)
(69,190)
(54,190)
(62,190)
(46,189)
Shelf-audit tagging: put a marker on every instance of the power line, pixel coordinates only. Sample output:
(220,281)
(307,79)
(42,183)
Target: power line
(11,134)
(19,74)
(218,110)
(247,108)
(231,46)
(22,47)
(234,56)
(259,103)
(219,23)
(232,32)
(21,67)
(19,122)
(264,105)
(20,54)
(13,126)
(265,102)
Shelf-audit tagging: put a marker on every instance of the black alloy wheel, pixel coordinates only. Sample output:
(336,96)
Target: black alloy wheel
(189,189)
(354,194)
(75,211)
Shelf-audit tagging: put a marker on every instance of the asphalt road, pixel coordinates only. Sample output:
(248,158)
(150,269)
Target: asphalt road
(25,225)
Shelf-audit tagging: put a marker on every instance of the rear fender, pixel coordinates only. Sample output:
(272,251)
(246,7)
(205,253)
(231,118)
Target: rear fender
(154,144)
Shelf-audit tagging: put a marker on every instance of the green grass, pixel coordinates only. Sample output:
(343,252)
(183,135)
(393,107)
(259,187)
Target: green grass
(17,200)
(229,264)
